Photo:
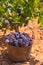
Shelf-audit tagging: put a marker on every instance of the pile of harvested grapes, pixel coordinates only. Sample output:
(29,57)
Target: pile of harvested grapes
(19,39)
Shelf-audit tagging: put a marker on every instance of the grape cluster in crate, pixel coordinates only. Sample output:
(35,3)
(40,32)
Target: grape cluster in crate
(19,39)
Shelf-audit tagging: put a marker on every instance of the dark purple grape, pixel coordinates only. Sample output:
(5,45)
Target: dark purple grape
(20,40)
(16,43)
(26,35)
(11,41)
(19,44)
(28,39)
(6,22)
(17,35)
(19,10)
(26,44)
(23,43)
(21,36)
(14,39)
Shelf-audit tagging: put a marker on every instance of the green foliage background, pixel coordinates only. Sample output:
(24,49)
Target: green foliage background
(31,9)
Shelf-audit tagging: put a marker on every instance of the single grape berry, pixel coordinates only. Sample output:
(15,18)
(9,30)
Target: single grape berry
(26,35)
(6,22)
(19,10)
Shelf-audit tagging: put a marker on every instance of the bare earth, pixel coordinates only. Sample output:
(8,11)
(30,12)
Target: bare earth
(36,55)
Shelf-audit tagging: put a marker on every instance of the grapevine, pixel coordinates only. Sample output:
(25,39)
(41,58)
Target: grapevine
(14,13)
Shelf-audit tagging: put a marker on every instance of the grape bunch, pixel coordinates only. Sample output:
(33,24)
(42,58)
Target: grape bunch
(19,39)
(19,11)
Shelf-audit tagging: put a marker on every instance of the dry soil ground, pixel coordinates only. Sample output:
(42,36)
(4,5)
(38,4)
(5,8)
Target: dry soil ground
(36,55)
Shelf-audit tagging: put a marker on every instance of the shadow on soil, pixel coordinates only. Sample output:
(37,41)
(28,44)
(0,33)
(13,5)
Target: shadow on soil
(42,63)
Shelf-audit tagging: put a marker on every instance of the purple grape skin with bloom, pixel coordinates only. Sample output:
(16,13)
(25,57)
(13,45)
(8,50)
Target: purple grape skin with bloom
(16,43)
(5,22)
(19,10)
(19,40)
(17,35)
(11,41)
(26,35)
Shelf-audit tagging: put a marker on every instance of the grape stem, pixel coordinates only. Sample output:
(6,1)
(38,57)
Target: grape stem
(16,29)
